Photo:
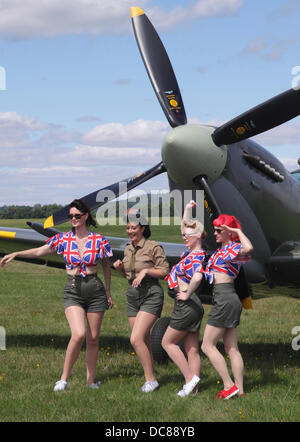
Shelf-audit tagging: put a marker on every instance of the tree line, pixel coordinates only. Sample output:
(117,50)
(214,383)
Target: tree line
(43,211)
(23,212)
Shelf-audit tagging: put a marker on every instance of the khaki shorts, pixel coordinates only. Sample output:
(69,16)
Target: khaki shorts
(227,307)
(146,298)
(187,315)
(87,292)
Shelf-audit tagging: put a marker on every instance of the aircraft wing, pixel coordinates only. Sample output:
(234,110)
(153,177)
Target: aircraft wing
(12,240)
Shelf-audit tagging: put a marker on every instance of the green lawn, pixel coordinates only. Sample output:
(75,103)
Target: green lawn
(37,335)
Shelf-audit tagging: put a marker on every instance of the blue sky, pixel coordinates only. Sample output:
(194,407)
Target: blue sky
(78,111)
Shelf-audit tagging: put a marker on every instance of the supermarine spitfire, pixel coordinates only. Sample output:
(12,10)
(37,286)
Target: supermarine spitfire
(237,175)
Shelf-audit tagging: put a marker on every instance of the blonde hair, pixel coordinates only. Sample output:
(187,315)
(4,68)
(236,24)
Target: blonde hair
(196,226)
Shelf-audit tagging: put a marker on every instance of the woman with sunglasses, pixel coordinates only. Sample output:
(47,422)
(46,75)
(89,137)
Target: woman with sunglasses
(84,295)
(185,322)
(143,265)
(224,317)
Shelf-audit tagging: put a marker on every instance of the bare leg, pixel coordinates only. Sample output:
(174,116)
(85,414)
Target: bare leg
(231,347)
(210,338)
(169,343)
(140,340)
(191,345)
(94,320)
(75,316)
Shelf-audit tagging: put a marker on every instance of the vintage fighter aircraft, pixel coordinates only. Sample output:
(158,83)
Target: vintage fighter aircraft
(238,176)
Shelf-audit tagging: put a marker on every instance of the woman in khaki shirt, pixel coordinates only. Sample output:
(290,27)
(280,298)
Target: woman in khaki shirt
(143,264)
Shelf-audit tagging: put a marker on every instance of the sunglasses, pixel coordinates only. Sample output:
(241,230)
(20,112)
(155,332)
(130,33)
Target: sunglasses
(219,231)
(77,216)
(187,235)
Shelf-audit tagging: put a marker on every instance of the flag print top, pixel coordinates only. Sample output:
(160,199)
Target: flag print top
(185,269)
(97,247)
(226,260)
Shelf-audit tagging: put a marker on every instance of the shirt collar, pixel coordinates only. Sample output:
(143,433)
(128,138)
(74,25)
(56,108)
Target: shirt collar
(139,245)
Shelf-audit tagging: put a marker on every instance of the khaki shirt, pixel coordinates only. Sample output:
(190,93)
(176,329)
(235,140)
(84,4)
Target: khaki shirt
(145,255)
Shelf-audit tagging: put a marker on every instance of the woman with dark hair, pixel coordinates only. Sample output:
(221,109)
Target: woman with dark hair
(185,277)
(143,265)
(224,317)
(84,295)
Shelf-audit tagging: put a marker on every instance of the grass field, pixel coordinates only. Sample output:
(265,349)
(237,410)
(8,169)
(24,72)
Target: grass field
(37,335)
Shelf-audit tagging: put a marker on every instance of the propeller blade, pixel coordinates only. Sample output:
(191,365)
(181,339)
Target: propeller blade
(158,67)
(40,229)
(210,202)
(259,119)
(95,199)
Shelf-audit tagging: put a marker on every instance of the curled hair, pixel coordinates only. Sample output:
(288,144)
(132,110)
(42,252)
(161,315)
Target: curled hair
(230,221)
(196,226)
(82,206)
(134,216)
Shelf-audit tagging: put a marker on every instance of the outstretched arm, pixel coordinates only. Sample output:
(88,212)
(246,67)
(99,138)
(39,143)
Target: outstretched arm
(30,253)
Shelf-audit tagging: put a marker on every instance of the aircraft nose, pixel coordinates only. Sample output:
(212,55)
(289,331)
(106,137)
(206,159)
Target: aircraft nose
(188,152)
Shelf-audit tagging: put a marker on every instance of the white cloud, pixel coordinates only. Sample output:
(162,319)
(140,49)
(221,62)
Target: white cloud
(137,133)
(194,11)
(288,133)
(268,50)
(290,163)
(98,155)
(49,18)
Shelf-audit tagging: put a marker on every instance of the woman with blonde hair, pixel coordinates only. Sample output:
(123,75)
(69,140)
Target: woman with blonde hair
(185,278)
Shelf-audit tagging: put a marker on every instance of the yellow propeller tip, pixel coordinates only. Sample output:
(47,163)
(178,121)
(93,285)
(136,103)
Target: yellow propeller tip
(135,11)
(49,222)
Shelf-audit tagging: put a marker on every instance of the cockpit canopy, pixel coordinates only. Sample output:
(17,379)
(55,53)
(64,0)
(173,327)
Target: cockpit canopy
(296,174)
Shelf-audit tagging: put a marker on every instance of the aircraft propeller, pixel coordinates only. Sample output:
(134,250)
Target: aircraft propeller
(192,155)
(261,118)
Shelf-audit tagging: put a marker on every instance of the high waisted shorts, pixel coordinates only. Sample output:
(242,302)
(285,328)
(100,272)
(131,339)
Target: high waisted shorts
(187,315)
(87,292)
(227,307)
(147,298)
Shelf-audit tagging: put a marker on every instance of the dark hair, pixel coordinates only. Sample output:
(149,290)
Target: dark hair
(82,206)
(134,216)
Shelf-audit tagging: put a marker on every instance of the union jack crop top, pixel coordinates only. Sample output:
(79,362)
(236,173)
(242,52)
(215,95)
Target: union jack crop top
(97,247)
(186,267)
(226,260)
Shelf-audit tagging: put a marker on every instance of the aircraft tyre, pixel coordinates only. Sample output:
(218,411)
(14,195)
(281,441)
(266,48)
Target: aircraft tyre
(158,330)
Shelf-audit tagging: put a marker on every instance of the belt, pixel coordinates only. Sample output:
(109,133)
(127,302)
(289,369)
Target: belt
(146,281)
(90,275)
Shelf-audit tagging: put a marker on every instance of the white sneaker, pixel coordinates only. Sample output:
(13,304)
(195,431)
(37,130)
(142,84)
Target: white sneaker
(181,393)
(60,385)
(94,386)
(189,387)
(149,386)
